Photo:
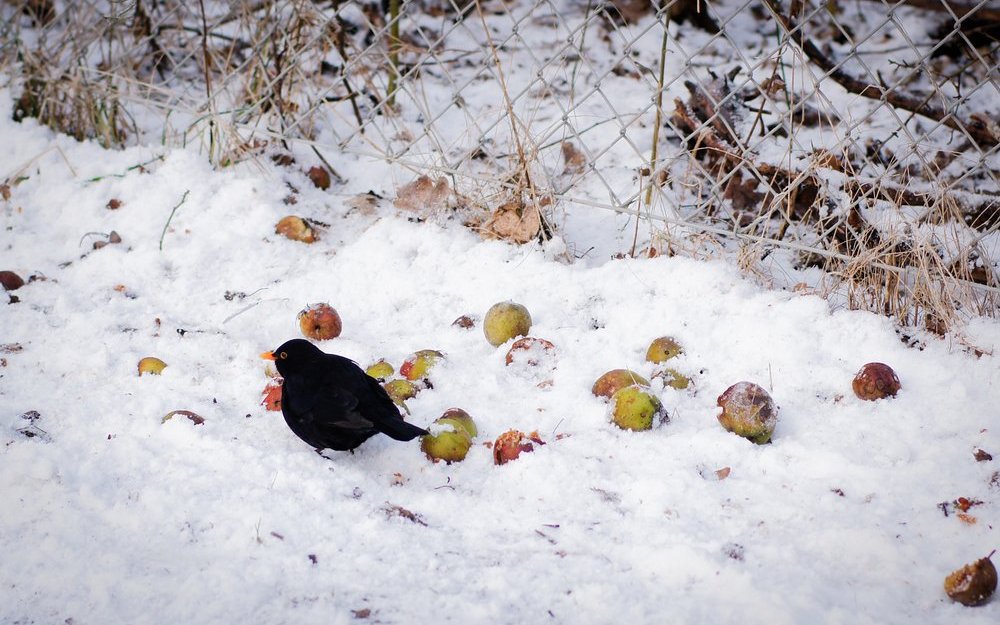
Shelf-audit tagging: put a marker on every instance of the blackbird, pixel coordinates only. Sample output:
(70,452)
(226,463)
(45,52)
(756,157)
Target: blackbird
(330,403)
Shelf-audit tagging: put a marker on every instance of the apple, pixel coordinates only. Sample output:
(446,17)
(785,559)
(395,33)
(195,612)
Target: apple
(663,349)
(446,441)
(295,228)
(460,419)
(748,411)
(401,390)
(320,322)
(635,408)
(973,584)
(418,365)
(151,365)
(319,177)
(529,350)
(272,396)
(380,370)
(512,443)
(11,281)
(875,381)
(673,378)
(616,379)
(504,321)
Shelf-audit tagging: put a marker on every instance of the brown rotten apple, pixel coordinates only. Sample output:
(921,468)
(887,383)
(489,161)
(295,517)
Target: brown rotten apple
(875,381)
(512,444)
(748,411)
(320,322)
(295,228)
(973,584)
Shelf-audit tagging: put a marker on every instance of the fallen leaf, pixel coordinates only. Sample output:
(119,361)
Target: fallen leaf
(423,194)
(515,221)
(573,159)
(982,455)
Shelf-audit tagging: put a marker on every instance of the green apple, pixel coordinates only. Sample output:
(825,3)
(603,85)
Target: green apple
(636,408)
(446,441)
(662,349)
(504,321)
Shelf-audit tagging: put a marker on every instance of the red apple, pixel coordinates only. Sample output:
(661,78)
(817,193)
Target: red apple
(875,381)
(512,444)
(529,350)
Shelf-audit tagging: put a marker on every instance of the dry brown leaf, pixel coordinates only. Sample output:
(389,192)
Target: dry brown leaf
(573,158)
(423,194)
(515,221)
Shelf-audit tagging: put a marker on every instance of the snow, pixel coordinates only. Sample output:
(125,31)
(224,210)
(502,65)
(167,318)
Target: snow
(115,517)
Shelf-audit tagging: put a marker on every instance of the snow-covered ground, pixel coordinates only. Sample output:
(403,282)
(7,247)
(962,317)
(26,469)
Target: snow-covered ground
(110,516)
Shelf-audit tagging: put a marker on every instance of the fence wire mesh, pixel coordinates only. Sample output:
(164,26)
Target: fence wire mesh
(860,137)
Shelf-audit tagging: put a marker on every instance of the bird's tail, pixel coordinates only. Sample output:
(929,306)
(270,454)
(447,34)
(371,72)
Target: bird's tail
(400,430)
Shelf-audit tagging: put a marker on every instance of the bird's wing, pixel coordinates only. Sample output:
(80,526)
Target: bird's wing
(324,402)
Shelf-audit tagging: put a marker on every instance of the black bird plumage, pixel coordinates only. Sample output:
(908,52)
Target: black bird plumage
(331,403)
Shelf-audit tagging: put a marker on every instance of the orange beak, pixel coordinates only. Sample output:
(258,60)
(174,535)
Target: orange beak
(268,356)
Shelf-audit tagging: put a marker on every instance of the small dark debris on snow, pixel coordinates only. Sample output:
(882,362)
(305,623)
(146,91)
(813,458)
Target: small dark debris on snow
(231,295)
(114,204)
(277,535)
(11,348)
(465,322)
(33,431)
(982,455)
(734,551)
(357,492)
(362,613)
(31,416)
(392,510)
(313,558)
(838,492)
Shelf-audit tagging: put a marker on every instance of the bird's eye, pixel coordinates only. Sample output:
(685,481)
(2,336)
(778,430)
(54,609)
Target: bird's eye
(283,355)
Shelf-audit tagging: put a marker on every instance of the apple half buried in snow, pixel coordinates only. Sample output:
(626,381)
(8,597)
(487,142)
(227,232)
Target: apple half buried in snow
(530,351)
(151,365)
(636,408)
(418,364)
(663,349)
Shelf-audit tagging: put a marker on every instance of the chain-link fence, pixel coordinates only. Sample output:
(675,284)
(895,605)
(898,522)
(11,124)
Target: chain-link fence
(860,137)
